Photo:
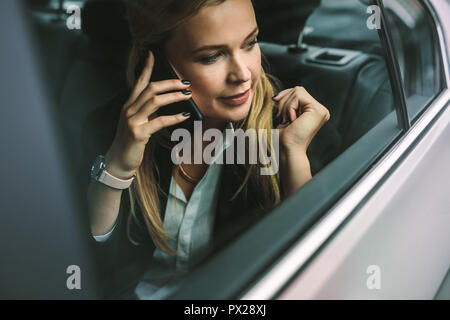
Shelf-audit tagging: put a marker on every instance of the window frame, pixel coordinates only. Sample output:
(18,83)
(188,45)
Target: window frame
(413,112)
(394,70)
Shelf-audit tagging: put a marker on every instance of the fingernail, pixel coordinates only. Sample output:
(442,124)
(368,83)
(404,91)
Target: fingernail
(186,92)
(186,114)
(275,96)
(186,82)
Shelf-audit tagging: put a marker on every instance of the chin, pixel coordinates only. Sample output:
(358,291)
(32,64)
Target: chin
(236,113)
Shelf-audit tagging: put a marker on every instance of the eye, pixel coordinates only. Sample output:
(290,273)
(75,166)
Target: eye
(252,43)
(209,59)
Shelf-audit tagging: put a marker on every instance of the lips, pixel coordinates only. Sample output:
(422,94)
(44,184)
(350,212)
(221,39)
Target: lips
(236,99)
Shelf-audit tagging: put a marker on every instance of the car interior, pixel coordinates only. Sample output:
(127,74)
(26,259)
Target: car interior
(322,45)
(86,68)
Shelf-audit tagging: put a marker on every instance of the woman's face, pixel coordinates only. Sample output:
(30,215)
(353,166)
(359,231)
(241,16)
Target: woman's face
(218,52)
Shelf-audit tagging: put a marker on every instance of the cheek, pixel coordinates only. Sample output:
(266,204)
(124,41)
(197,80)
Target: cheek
(206,84)
(255,67)
(205,88)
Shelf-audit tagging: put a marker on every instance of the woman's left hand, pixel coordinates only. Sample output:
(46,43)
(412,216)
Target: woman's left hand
(306,117)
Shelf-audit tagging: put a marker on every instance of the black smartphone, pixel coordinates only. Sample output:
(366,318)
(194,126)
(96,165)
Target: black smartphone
(162,70)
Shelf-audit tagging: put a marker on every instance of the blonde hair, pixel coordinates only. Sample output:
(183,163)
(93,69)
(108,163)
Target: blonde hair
(152,21)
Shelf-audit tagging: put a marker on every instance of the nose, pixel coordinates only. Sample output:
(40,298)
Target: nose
(238,70)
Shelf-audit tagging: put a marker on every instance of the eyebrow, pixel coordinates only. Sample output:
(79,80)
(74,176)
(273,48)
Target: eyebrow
(219,46)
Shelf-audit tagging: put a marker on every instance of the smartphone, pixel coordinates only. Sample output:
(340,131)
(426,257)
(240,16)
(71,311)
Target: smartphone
(162,70)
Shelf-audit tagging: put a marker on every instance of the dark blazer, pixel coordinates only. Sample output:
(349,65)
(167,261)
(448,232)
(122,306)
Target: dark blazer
(122,263)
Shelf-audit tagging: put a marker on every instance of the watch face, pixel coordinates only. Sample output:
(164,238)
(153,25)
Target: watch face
(98,167)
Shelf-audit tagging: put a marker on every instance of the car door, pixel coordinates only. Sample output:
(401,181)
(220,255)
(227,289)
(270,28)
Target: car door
(394,244)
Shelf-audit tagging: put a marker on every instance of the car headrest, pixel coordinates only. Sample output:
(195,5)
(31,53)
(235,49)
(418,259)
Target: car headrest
(105,20)
(38,3)
(281,21)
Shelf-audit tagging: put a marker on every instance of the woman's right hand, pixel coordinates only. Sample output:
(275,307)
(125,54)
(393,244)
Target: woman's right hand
(138,120)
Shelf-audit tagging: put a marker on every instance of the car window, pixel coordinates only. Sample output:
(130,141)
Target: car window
(341,62)
(341,65)
(416,46)
(337,59)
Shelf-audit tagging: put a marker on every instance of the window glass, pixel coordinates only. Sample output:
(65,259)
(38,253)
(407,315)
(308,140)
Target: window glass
(341,64)
(325,47)
(415,44)
(340,61)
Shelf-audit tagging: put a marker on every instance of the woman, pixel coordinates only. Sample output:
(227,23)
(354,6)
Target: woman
(212,45)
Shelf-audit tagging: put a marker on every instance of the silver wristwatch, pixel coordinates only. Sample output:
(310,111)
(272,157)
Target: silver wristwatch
(99,174)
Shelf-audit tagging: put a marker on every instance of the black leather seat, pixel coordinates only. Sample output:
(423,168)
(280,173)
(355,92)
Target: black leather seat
(85,68)
(358,95)
(370,101)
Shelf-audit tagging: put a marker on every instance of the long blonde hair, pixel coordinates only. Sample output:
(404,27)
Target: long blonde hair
(152,21)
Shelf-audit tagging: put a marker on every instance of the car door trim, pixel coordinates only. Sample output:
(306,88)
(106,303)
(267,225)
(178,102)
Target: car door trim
(394,71)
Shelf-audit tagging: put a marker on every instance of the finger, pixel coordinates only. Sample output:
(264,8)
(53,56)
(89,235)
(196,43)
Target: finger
(280,105)
(152,105)
(304,97)
(290,108)
(292,115)
(156,88)
(301,97)
(284,102)
(281,94)
(162,122)
(143,79)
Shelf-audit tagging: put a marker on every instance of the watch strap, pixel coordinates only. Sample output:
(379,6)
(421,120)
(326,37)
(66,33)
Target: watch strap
(114,182)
